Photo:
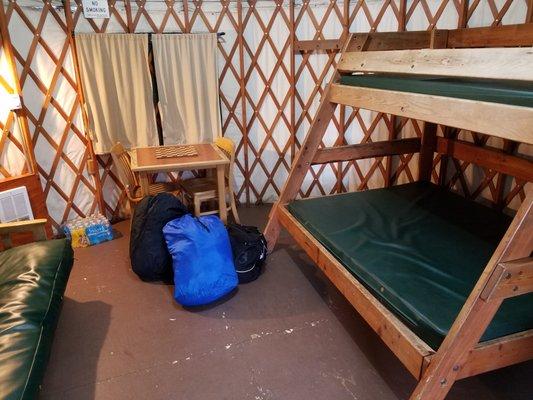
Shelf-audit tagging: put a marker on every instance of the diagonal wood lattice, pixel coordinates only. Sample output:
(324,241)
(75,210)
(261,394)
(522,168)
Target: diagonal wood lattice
(12,149)
(269,93)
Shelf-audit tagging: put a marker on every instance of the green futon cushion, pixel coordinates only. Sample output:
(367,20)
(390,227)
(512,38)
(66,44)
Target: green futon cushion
(33,278)
(518,93)
(419,249)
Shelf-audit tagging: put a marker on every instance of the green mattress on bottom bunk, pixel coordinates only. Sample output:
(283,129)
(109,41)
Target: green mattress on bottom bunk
(518,93)
(419,249)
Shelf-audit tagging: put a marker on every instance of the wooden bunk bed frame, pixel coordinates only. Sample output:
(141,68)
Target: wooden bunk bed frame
(501,52)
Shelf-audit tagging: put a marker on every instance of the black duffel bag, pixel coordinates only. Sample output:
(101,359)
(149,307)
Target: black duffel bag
(149,256)
(249,251)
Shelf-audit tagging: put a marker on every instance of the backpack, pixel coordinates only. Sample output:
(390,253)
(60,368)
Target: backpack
(149,256)
(202,259)
(249,249)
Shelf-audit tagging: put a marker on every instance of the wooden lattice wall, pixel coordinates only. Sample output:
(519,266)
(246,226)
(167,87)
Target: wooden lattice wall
(270,85)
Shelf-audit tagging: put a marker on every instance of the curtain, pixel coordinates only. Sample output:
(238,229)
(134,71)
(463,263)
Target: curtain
(118,89)
(187,81)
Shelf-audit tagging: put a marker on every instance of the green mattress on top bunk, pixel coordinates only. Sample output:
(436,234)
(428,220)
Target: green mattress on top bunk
(419,249)
(518,93)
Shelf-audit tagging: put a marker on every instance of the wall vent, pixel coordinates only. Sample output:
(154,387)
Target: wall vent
(15,205)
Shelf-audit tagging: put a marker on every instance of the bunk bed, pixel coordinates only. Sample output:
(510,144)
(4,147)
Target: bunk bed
(445,281)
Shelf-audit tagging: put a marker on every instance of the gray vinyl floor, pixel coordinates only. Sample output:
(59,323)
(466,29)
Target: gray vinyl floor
(288,335)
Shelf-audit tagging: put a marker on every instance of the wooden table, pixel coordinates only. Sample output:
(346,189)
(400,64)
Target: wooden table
(144,162)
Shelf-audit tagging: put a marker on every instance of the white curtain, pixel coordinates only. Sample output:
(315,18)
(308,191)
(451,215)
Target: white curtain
(187,81)
(118,89)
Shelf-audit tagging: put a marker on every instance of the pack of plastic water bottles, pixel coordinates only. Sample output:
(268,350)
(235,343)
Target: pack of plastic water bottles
(84,232)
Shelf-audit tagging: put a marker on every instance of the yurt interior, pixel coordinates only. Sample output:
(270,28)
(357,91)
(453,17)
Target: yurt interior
(266,200)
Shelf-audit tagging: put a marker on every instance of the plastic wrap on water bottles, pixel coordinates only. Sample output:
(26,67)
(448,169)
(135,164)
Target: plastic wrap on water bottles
(84,232)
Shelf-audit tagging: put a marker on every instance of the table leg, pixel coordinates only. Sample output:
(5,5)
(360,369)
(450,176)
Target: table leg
(145,183)
(222,193)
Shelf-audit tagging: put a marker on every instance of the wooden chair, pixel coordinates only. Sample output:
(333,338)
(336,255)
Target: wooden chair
(130,181)
(197,191)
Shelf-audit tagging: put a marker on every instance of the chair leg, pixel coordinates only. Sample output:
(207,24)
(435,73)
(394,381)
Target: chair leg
(197,206)
(188,202)
(129,208)
(234,207)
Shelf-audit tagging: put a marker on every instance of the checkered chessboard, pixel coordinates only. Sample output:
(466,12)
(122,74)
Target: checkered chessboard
(175,151)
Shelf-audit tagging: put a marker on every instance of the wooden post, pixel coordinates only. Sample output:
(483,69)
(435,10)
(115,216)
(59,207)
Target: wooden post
(242,84)
(186,16)
(341,140)
(394,125)
(509,147)
(438,39)
(292,81)
(129,19)
(402,20)
(427,149)
(463,14)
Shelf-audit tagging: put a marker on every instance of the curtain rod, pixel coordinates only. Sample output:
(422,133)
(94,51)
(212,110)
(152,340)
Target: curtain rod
(219,34)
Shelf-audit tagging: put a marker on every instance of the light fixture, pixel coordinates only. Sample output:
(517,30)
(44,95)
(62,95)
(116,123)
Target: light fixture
(8,101)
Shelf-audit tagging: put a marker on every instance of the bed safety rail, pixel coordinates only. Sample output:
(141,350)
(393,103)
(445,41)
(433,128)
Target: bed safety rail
(485,63)
(501,36)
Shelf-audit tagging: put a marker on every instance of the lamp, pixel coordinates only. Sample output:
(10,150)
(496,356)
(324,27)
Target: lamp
(9,101)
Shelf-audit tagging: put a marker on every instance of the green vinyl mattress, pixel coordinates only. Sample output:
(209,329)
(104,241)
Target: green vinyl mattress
(518,93)
(419,249)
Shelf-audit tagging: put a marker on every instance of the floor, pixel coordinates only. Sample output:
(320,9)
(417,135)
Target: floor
(288,335)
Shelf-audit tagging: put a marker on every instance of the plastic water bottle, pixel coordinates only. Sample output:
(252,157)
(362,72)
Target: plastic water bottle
(88,231)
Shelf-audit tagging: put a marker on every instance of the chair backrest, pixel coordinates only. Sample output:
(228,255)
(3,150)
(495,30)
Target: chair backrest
(126,175)
(228,147)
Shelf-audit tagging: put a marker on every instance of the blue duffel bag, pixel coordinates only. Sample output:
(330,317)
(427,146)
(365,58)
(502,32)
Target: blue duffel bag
(201,258)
